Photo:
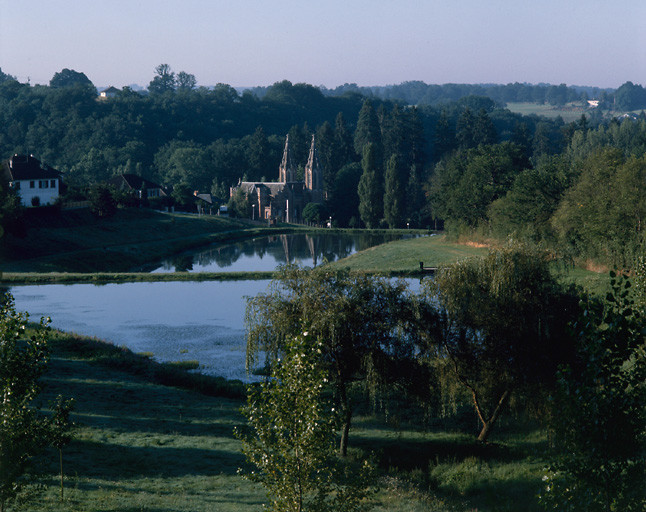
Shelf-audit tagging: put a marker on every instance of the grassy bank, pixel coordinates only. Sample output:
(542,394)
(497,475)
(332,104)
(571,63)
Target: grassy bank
(404,256)
(75,241)
(154,437)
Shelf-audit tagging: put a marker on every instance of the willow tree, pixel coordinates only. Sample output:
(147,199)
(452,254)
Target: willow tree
(505,327)
(365,325)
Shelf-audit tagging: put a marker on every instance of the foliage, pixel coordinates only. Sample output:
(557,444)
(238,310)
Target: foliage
(527,208)
(602,215)
(315,213)
(239,205)
(505,316)
(23,433)
(102,202)
(344,199)
(11,211)
(364,321)
(598,413)
(293,432)
(464,185)
(70,78)
(60,429)
(370,188)
(393,193)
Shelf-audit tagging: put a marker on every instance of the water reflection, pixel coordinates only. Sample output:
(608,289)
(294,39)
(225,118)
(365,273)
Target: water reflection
(268,252)
(177,321)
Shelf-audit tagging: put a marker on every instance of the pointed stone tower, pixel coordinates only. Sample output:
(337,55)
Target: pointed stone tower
(314,175)
(287,171)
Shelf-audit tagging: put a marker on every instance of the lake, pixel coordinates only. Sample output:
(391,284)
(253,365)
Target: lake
(186,320)
(175,321)
(267,253)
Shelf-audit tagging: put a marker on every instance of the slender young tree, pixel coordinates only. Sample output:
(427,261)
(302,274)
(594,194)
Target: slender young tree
(292,436)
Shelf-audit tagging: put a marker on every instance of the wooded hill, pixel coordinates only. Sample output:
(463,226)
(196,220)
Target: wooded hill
(464,160)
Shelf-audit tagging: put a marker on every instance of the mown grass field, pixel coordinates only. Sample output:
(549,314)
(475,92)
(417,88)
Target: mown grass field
(406,255)
(141,444)
(569,113)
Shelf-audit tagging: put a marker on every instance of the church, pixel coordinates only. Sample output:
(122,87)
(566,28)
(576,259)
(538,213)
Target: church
(285,199)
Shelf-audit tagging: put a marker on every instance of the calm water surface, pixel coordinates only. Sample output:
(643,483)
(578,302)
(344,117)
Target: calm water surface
(267,253)
(176,321)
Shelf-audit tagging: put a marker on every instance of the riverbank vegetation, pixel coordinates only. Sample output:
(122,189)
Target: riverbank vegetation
(141,444)
(159,436)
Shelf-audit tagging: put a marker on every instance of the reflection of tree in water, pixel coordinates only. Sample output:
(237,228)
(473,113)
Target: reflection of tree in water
(183,262)
(310,250)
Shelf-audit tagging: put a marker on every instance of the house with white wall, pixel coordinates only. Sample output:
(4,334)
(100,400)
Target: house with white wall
(36,183)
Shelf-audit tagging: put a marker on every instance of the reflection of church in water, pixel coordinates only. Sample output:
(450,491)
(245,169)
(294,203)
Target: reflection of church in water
(285,199)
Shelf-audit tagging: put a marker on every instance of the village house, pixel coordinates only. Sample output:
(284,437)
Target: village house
(141,187)
(36,183)
(108,93)
(285,199)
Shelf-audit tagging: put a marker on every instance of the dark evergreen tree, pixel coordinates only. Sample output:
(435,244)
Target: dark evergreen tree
(368,131)
(393,192)
(370,189)
(325,144)
(70,78)
(444,140)
(343,145)
(415,198)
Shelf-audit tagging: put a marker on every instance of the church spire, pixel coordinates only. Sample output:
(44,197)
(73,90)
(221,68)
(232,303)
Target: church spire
(287,172)
(314,173)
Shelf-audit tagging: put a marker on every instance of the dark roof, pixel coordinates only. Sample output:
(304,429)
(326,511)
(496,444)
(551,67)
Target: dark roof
(205,197)
(133,182)
(26,167)
(111,90)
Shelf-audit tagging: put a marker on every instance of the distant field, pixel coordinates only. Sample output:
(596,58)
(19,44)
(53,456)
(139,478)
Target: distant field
(568,113)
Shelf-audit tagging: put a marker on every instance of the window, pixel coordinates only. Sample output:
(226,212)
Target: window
(52,183)
(43,184)
(32,184)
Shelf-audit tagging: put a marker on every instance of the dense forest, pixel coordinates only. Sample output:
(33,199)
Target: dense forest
(414,154)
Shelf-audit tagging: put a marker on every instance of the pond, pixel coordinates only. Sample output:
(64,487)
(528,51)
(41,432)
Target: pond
(174,321)
(267,253)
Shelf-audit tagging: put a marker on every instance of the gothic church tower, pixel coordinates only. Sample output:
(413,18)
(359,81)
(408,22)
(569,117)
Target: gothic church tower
(287,171)
(314,175)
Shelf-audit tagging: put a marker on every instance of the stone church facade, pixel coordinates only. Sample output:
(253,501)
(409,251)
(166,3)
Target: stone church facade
(285,199)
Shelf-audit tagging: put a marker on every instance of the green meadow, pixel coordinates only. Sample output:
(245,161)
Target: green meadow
(155,437)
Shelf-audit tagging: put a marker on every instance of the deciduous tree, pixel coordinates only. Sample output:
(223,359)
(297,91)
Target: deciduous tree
(23,432)
(293,432)
(506,317)
(363,321)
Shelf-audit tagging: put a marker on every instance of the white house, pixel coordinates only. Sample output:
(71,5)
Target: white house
(108,93)
(36,183)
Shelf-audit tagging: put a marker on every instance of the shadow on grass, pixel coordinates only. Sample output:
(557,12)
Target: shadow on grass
(90,459)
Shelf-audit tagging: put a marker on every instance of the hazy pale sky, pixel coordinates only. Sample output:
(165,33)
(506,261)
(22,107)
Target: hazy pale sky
(328,42)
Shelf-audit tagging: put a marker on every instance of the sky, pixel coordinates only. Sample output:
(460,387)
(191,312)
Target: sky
(247,43)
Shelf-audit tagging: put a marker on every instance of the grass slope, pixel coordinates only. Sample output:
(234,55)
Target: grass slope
(405,255)
(75,241)
(142,444)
